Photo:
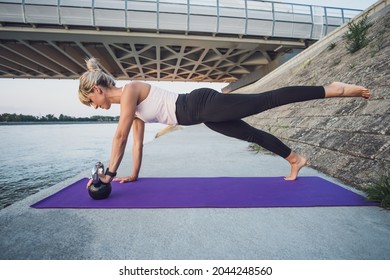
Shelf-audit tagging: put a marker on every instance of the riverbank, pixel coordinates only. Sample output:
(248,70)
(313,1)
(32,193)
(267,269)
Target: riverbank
(195,233)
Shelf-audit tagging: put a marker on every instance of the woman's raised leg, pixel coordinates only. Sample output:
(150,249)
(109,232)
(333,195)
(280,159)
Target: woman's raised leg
(223,114)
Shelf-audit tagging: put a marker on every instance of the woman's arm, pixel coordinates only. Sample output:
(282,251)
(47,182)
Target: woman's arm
(138,135)
(138,144)
(127,113)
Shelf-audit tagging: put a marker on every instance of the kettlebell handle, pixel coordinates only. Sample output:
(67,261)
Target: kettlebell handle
(97,169)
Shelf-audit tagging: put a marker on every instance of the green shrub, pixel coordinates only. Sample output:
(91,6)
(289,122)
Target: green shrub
(331,46)
(356,36)
(379,190)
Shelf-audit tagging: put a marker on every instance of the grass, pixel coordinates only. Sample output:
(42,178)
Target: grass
(306,63)
(356,36)
(253,147)
(352,65)
(379,190)
(331,46)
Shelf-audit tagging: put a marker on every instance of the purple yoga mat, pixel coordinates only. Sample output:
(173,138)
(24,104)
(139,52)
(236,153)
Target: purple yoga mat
(221,192)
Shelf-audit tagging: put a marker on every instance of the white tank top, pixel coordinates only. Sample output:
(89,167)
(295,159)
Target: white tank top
(158,107)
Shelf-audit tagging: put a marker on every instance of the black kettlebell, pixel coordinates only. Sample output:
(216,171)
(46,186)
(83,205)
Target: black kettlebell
(98,189)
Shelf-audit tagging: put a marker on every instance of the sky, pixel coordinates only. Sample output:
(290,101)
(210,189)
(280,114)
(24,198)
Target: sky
(39,97)
(353,4)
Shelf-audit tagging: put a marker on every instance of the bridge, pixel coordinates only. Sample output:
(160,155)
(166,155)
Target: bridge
(175,40)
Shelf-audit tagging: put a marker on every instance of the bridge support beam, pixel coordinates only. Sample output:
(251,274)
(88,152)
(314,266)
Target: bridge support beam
(60,53)
(261,72)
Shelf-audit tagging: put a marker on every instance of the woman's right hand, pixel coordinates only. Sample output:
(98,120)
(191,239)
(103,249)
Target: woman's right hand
(127,179)
(90,182)
(102,179)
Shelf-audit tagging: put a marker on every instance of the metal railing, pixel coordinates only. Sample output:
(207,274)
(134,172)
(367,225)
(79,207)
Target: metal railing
(239,17)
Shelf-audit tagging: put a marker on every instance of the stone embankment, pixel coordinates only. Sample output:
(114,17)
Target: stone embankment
(347,138)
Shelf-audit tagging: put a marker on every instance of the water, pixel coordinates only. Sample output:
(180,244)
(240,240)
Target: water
(35,157)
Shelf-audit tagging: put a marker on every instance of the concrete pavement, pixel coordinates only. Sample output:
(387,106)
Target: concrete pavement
(258,233)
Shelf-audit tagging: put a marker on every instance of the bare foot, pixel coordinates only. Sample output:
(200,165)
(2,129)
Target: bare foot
(338,89)
(297,162)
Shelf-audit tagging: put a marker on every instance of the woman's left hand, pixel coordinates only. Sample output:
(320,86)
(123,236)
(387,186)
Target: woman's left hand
(126,179)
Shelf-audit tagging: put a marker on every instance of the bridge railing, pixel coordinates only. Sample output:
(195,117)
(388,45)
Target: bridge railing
(238,17)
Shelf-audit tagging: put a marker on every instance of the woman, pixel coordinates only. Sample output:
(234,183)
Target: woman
(140,103)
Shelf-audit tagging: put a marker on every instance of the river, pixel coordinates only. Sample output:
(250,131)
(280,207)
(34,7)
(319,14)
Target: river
(36,157)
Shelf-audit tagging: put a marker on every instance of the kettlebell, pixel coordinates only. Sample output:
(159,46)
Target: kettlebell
(98,189)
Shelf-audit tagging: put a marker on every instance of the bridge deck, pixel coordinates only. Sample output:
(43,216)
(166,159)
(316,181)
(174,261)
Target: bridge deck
(198,40)
(247,17)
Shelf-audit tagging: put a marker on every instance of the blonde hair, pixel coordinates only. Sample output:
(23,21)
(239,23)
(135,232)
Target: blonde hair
(94,76)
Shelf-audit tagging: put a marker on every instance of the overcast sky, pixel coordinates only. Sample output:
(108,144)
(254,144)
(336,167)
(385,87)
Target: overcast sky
(41,97)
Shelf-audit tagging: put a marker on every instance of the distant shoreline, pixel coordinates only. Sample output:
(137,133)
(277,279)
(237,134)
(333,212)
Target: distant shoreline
(56,122)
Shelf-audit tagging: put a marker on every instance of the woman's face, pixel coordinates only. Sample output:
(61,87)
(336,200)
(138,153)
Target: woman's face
(98,99)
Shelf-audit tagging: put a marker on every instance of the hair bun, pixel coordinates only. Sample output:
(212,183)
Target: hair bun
(92,64)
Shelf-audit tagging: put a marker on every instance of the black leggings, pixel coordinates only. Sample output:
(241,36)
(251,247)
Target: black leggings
(223,112)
